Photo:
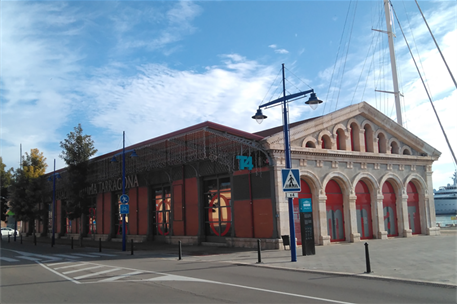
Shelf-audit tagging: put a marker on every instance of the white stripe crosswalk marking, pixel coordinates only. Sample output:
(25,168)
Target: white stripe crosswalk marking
(8,259)
(29,258)
(60,263)
(83,269)
(105,254)
(86,255)
(96,273)
(70,266)
(121,276)
(66,256)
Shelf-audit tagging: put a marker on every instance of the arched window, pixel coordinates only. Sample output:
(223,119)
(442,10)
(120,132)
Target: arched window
(368,138)
(326,142)
(310,144)
(355,138)
(406,151)
(394,148)
(340,139)
(382,143)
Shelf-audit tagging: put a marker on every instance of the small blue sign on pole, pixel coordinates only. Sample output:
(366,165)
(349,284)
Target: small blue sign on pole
(124,199)
(124,209)
(305,205)
(291,180)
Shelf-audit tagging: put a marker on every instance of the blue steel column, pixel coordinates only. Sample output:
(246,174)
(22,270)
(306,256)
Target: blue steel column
(53,203)
(293,248)
(123,188)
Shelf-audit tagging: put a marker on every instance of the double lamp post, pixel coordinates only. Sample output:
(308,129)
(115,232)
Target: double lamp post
(313,102)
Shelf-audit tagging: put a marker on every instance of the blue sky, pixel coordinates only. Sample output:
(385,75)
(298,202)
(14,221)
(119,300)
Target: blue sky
(153,67)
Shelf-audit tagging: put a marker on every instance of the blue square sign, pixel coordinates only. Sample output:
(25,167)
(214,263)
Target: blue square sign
(124,209)
(291,180)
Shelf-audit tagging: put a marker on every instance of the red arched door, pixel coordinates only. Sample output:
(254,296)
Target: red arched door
(335,215)
(389,204)
(363,206)
(304,193)
(413,209)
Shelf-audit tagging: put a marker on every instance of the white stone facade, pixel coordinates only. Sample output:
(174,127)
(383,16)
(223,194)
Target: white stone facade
(357,143)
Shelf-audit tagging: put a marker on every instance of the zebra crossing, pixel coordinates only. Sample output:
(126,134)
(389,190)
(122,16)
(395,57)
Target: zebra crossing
(90,273)
(21,256)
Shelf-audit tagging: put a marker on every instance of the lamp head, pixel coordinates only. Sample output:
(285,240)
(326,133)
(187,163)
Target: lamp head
(313,101)
(259,117)
(133,154)
(113,160)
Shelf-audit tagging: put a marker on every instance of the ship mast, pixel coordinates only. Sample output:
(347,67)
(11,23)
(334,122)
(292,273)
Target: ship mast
(393,62)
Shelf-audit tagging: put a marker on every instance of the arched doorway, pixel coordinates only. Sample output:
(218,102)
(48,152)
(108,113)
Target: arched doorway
(335,215)
(413,208)
(304,193)
(389,204)
(363,208)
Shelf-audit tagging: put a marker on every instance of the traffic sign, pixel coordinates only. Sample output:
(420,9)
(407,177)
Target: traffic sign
(124,199)
(124,209)
(291,180)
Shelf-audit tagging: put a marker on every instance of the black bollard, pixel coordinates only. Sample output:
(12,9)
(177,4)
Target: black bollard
(180,251)
(259,255)
(100,245)
(34,239)
(367,258)
(71,242)
(8,238)
(131,246)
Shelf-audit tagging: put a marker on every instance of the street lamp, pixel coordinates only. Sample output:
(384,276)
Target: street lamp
(313,101)
(53,176)
(133,154)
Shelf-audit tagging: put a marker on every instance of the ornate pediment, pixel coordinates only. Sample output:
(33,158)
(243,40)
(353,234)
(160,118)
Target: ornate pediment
(358,128)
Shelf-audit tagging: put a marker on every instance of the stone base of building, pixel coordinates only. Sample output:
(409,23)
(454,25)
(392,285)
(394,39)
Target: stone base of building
(252,243)
(129,238)
(434,231)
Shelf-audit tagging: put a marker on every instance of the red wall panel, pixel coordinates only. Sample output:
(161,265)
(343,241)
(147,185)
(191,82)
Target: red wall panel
(178,222)
(243,219)
(143,210)
(263,218)
(191,205)
(107,213)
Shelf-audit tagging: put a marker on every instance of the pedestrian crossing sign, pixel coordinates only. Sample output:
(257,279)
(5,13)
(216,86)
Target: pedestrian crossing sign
(291,180)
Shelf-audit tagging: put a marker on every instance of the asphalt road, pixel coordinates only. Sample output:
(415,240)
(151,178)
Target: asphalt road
(32,274)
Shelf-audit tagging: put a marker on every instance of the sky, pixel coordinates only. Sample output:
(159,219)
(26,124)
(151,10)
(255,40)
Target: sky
(153,67)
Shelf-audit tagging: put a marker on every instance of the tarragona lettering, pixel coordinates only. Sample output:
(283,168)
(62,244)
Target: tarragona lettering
(113,185)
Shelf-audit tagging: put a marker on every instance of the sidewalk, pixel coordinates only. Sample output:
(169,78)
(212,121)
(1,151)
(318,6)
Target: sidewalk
(421,258)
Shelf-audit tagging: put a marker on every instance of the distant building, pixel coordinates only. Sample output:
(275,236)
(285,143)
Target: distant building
(367,177)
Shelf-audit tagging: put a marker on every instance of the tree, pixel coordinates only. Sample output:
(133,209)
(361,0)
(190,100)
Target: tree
(77,149)
(5,182)
(29,188)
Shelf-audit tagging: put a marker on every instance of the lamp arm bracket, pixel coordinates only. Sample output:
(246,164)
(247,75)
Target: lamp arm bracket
(286,98)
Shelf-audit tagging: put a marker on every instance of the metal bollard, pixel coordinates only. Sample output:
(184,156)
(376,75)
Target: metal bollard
(367,258)
(131,246)
(71,242)
(180,251)
(259,255)
(100,245)
(34,239)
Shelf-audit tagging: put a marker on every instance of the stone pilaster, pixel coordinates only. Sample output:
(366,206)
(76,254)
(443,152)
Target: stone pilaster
(354,233)
(380,228)
(324,238)
(402,218)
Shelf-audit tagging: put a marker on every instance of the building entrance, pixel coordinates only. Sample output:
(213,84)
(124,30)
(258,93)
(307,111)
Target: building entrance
(161,211)
(413,209)
(217,197)
(389,204)
(335,215)
(363,206)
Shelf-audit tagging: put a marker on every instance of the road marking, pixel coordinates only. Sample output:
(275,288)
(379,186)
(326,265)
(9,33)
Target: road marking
(106,254)
(96,273)
(8,259)
(29,258)
(172,277)
(86,255)
(121,276)
(60,263)
(66,256)
(74,265)
(77,270)
(59,274)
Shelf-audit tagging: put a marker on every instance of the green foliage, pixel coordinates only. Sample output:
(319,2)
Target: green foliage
(77,149)
(5,182)
(29,188)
